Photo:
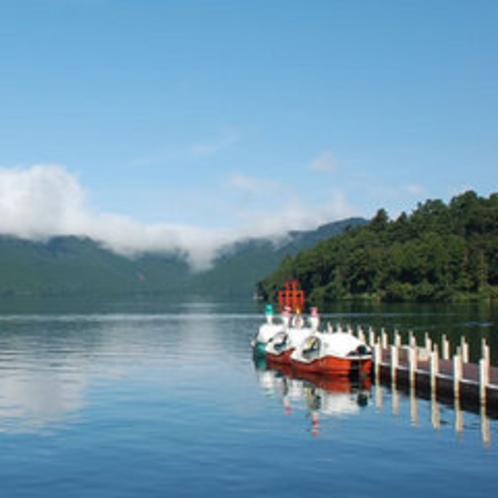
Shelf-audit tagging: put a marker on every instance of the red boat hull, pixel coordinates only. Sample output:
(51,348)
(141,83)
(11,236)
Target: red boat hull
(283,358)
(332,365)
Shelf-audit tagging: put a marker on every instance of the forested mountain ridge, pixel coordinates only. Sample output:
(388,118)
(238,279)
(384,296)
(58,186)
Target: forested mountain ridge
(78,266)
(440,252)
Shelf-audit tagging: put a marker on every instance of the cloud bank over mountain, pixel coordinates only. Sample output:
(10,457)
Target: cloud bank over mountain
(47,200)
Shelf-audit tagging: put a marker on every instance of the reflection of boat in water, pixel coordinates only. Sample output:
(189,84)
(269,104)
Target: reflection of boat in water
(332,353)
(320,395)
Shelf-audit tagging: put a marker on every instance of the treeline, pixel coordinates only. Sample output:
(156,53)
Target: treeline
(439,253)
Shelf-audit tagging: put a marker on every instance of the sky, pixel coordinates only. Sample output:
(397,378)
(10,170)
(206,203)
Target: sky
(187,124)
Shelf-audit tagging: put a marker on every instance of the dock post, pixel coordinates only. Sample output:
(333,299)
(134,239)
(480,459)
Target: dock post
(397,338)
(412,340)
(412,363)
(394,363)
(371,337)
(485,352)
(465,350)
(378,359)
(483,379)
(457,374)
(434,368)
(428,342)
(361,334)
(445,347)
(383,335)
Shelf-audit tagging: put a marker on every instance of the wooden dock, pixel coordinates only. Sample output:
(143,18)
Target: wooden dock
(429,371)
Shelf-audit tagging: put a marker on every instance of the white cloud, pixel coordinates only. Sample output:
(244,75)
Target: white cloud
(325,162)
(294,214)
(47,200)
(44,199)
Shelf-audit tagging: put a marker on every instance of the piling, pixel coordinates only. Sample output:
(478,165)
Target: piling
(432,369)
(445,346)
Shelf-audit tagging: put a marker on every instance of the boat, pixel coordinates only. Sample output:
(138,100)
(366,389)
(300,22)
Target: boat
(268,331)
(332,353)
(283,344)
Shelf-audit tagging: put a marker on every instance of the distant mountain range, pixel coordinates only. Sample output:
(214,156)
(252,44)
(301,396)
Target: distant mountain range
(81,266)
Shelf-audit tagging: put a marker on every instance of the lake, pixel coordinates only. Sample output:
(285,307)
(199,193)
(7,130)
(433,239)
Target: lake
(145,398)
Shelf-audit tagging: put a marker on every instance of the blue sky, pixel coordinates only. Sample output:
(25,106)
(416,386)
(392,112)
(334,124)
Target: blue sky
(187,123)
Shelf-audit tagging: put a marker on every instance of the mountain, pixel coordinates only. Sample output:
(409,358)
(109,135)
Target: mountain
(238,268)
(81,266)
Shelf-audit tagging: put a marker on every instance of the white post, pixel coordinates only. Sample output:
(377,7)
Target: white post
(378,360)
(412,340)
(457,374)
(412,364)
(371,337)
(483,379)
(378,352)
(428,342)
(485,353)
(361,334)
(394,363)
(434,368)
(384,339)
(397,338)
(465,350)
(446,347)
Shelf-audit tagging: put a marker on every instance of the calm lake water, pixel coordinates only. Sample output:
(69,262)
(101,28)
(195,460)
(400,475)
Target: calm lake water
(146,399)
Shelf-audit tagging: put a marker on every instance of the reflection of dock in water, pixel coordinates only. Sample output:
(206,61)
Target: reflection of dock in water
(430,372)
(415,396)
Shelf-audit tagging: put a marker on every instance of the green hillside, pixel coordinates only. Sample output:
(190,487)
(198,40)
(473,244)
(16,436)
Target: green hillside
(438,253)
(80,266)
(238,268)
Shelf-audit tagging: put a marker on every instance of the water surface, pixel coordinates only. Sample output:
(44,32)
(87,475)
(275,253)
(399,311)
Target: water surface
(146,398)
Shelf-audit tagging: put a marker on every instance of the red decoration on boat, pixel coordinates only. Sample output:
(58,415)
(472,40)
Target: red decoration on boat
(292,296)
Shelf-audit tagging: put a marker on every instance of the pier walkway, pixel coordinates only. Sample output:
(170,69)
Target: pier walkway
(429,370)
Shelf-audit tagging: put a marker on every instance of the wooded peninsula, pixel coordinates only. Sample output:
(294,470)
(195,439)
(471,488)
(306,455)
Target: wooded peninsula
(438,253)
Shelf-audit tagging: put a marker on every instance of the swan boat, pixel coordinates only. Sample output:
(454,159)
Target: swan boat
(332,353)
(268,331)
(283,344)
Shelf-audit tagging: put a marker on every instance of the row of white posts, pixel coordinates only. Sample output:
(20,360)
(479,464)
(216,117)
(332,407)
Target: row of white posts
(429,352)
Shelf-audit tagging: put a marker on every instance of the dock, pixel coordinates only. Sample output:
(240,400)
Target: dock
(428,370)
